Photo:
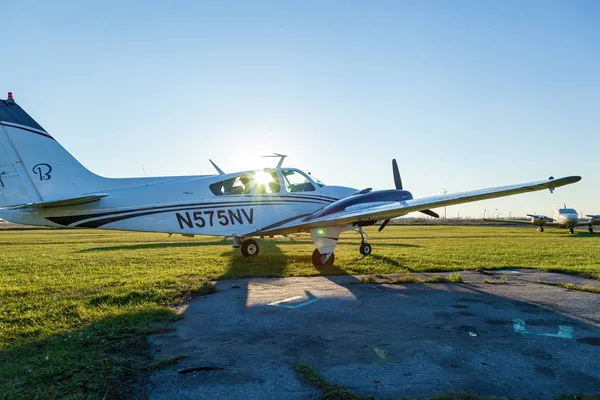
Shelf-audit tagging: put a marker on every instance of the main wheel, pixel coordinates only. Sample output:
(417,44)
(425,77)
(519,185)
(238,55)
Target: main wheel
(320,260)
(591,230)
(250,248)
(571,229)
(365,249)
(541,229)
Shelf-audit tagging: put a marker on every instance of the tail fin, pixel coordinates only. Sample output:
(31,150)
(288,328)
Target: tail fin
(33,166)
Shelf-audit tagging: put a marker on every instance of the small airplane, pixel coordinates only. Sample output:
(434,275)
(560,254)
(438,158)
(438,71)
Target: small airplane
(43,184)
(563,218)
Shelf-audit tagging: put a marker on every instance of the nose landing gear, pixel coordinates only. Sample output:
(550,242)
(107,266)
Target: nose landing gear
(571,230)
(365,248)
(590,229)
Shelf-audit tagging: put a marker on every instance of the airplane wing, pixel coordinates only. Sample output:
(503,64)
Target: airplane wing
(522,221)
(593,220)
(509,221)
(366,212)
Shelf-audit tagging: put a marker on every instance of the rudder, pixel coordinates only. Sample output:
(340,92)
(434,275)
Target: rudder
(33,166)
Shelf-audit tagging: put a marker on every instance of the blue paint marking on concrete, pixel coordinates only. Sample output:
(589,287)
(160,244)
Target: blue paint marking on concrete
(564,332)
(281,303)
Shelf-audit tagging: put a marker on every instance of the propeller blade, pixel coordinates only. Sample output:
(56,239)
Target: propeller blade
(430,213)
(397,179)
(387,221)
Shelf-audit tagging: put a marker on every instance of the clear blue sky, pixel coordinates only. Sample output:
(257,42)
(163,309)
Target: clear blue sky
(465,94)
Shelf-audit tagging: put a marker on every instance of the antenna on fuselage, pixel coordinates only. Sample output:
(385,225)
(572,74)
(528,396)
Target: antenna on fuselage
(219,170)
(281,158)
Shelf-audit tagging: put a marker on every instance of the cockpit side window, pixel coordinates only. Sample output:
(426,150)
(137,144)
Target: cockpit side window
(296,182)
(238,185)
(262,181)
(266,182)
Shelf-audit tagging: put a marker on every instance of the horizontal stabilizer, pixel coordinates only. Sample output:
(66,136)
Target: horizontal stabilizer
(65,202)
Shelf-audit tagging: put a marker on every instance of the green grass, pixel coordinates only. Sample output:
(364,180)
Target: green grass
(496,281)
(76,306)
(572,286)
(330,390)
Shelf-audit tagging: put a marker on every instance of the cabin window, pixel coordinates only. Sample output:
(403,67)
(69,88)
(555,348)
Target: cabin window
(238,185)
(261,181)
(296,182)
(266,182)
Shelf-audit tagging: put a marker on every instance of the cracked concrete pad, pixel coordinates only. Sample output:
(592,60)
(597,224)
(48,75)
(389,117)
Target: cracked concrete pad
(384,340)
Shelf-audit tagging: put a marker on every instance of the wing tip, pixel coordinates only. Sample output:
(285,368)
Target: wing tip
(566,180)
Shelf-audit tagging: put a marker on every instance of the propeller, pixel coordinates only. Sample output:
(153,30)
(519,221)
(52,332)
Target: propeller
(431,213)
(398,183)
(397,179)
(384,224)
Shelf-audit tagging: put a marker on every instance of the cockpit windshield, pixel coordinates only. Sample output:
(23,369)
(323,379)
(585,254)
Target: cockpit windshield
(567,211)
(296,181)
(317,181)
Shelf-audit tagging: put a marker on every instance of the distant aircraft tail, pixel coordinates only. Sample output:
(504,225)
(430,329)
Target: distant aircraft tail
(34,167)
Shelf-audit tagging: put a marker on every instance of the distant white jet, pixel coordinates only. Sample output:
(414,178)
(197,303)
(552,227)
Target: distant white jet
(563,218)
(42,184)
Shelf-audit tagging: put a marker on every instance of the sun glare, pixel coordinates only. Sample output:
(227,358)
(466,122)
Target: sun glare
(263,178)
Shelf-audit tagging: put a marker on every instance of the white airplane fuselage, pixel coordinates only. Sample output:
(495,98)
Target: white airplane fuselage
(566,217)
(186,205)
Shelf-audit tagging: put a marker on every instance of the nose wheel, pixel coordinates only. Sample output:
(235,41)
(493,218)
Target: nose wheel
(571,229)
(320,260)
(365,249)
(541,229)
(591,230)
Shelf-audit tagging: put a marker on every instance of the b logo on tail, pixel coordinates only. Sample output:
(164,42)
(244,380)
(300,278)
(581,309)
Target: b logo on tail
(43,170)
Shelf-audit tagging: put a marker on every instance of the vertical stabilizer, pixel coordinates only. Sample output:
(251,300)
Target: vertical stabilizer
(33,166)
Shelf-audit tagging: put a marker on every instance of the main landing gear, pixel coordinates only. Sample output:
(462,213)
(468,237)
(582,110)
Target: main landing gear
(590,229)
(541,229)
(571,230)
(249,247)
(321,260)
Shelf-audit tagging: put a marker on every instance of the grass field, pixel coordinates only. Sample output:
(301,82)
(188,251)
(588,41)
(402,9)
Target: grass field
(76,305)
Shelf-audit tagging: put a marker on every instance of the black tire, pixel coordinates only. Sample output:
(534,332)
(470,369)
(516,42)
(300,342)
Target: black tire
(571,229)
(250,248)
(318,259)
(591,230)
(365,249)
(541,229)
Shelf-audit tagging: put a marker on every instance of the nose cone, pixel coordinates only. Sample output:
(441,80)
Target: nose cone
(338,192)
(568,219)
